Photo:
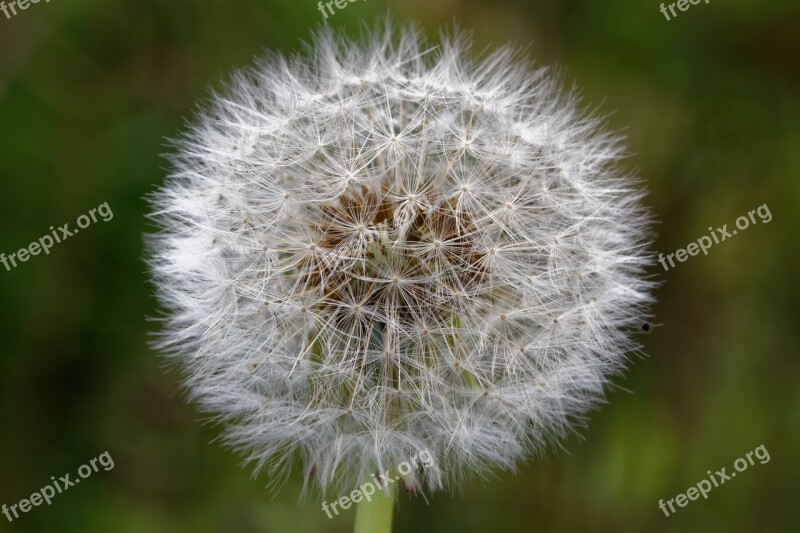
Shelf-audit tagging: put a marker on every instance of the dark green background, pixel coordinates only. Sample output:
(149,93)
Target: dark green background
(89,90)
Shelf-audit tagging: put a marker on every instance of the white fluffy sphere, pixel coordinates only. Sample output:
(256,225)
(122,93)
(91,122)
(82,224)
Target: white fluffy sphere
(382,247)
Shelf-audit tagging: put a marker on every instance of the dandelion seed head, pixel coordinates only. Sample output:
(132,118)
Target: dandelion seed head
(380,247)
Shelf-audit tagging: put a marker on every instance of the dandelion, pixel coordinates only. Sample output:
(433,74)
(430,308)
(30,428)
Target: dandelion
(380,247)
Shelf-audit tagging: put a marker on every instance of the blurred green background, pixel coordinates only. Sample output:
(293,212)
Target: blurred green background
(711,104)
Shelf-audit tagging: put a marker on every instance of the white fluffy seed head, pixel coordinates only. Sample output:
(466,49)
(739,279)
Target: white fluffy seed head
(382,247)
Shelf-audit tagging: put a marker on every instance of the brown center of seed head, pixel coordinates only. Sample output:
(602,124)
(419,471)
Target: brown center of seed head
(392,257)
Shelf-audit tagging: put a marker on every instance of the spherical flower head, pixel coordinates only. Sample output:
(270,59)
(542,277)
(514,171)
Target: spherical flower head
(383,247)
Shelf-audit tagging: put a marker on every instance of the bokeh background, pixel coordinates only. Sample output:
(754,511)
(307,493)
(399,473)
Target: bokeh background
(711,104)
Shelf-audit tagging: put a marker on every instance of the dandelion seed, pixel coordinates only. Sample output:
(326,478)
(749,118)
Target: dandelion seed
(454,258)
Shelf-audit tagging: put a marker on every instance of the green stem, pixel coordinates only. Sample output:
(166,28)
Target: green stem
(375,516)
